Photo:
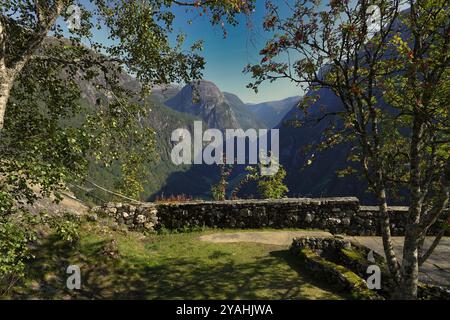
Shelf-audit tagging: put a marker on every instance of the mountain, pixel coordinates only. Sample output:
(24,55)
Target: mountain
(271,113)
(243,114)
(174,107)
(162,93)
(162,119)
(319,178)
(217,109)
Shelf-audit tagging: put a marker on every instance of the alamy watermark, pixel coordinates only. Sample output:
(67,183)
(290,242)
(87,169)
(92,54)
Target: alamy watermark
(74,280)
(373,20)
(231,146)
(74,17)
(374,280)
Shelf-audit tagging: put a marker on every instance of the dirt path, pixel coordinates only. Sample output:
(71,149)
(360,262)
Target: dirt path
(435,270)
(281,238)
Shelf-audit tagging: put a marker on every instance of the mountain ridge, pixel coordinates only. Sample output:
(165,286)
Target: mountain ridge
(271,113)
(217,109)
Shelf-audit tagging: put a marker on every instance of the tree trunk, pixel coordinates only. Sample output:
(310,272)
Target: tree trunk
(4,90)
(10,68)
(386,236)
(425,255)
(6,82)
(407,288)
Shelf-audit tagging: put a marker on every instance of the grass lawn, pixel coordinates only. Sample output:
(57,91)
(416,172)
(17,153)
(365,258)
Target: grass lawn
(116,264)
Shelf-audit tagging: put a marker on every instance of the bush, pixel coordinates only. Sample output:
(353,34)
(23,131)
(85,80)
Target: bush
(15,238)
(273,187)
(65,226)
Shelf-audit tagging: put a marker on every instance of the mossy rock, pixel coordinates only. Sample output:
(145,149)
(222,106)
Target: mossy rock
(354,255)
(337,274)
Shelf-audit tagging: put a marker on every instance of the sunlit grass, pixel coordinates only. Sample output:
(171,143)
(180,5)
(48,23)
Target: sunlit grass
(125,265)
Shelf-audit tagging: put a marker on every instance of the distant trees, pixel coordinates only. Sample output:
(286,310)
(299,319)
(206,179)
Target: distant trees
(268,186)
(394,86)
(219,190)
(273,187)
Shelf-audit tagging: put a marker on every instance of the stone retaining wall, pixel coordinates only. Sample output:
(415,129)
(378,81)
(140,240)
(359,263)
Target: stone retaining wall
(337,215)
(322,257)
(345,263)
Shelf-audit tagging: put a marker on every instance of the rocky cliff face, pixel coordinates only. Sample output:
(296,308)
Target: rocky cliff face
(218,110)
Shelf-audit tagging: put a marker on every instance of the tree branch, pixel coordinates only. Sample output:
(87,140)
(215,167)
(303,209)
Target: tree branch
(433,246)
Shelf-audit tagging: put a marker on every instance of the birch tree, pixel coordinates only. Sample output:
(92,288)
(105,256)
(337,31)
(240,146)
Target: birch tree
(137,36)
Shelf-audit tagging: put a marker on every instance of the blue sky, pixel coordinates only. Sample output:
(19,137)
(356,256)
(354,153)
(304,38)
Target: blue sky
(226,58)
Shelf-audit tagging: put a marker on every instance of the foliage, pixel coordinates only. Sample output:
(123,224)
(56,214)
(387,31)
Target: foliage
(18,233)
(65,226)
(394,89)
(49,73)
(219,191)
(15,237)
(268,186)
(272,187)
(48,137)
(173,198)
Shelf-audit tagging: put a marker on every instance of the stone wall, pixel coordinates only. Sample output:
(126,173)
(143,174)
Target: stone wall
(337,215)
(322,257)
(345,263)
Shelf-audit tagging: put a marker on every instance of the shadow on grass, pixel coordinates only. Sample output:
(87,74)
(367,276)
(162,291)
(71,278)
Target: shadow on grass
(186,278)
(106,275)
(296,265)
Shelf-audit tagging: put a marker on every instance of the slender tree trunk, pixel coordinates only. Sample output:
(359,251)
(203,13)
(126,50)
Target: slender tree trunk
(386,235)
(4,90)
(7,78)
(407,288)
(433,246)
(6,83)
(10,68)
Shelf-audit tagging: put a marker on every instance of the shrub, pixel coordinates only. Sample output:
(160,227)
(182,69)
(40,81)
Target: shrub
(15,238)
(65,226)
(173,198)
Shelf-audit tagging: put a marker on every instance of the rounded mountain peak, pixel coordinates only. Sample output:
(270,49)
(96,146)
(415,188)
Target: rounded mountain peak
(207,92)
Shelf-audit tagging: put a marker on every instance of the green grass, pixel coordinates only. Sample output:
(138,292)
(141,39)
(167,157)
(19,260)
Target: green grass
(126,265)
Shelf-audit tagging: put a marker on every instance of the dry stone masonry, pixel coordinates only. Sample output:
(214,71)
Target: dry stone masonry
(337,215)
(344,263)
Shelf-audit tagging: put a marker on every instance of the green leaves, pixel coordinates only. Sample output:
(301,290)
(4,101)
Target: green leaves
(14,252)
(66,226)
(268,187)
(52,135)
(273,187)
